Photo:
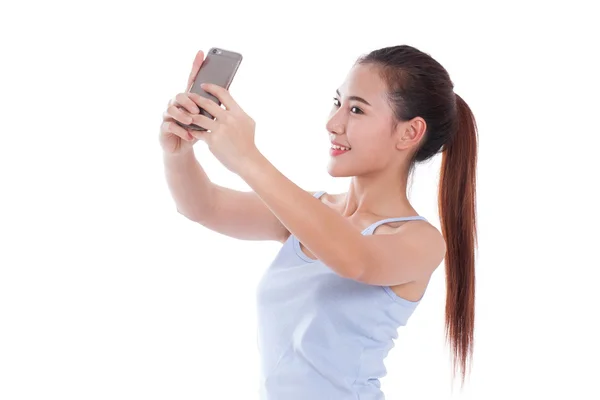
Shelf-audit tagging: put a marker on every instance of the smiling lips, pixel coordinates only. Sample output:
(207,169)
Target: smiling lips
(336,150)
(339,146)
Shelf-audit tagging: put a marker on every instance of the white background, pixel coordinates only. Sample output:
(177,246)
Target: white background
(106,292)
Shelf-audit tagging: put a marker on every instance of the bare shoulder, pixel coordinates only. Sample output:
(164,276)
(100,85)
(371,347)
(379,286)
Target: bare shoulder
(424,235)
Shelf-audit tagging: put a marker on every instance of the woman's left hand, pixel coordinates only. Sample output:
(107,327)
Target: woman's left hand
(231,136)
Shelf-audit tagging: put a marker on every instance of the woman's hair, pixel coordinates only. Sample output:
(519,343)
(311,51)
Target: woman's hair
(418,86)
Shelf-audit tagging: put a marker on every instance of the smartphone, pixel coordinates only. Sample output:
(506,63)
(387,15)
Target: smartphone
(219,67)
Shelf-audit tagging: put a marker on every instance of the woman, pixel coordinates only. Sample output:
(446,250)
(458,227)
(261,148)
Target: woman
(354,266)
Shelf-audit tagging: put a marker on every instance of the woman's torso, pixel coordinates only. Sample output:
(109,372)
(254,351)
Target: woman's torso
(322,336)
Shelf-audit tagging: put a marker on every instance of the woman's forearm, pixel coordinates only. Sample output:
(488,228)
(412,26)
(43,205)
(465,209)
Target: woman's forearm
(189,185)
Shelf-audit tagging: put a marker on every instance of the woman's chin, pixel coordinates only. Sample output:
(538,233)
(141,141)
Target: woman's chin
(336,172)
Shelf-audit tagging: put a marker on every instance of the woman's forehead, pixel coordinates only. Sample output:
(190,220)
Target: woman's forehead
(364,81)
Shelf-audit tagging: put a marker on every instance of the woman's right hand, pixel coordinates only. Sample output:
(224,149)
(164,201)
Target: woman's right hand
(174,138)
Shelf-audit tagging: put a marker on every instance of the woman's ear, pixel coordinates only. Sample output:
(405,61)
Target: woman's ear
(410,133)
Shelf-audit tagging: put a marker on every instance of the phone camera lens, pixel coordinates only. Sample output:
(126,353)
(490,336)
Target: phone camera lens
(215,51)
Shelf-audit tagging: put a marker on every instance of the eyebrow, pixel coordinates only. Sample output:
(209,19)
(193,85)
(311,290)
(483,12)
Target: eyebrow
(354,98)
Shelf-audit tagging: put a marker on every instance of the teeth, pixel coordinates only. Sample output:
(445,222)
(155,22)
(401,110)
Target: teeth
(333,146)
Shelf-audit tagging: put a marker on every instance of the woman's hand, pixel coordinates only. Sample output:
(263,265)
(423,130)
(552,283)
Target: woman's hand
(174,139)
(230,135)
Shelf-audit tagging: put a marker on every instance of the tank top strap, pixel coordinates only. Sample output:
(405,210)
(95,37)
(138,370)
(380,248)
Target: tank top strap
(371,228)
(319,194)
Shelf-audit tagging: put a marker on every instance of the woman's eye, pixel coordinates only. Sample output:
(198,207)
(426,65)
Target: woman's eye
(336,103)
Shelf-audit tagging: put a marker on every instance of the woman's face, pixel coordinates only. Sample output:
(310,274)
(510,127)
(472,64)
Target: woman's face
(365,128)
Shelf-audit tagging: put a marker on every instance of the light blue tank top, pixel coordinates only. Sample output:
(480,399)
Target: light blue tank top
(322,336)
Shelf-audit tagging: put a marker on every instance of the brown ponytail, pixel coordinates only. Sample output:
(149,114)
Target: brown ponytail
(458,223)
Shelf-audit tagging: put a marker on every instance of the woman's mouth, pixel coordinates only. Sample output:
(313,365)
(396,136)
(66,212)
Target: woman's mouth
(337,150)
